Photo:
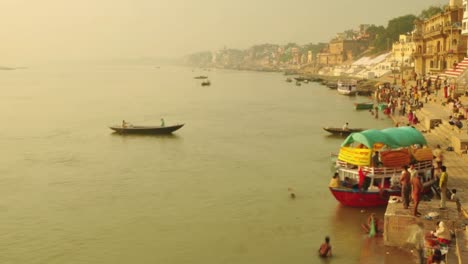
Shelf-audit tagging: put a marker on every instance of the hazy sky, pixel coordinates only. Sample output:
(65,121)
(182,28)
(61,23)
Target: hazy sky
(32,30)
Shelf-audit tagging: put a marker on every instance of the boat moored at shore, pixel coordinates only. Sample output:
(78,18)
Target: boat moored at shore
(347,87)
(363,106)
(372,184)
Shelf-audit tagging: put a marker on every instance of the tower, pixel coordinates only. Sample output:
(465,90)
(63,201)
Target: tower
(455,3)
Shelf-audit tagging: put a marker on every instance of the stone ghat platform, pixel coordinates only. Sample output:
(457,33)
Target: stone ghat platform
(435,111)
(399,223)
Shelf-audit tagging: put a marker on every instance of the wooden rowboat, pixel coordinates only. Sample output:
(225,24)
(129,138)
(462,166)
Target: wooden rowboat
(363,106)
(341,132)
(146,129)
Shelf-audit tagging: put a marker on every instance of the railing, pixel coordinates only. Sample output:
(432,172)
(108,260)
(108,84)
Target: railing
(432,33)
(348,170)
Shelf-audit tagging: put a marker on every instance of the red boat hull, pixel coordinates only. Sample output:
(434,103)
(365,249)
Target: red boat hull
(356,198)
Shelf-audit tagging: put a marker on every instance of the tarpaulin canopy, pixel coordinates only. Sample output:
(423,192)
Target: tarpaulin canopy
(394,137)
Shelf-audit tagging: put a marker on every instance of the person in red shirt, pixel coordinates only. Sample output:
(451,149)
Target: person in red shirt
(362,177)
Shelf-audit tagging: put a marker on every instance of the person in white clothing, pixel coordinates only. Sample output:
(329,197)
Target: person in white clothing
(345,126)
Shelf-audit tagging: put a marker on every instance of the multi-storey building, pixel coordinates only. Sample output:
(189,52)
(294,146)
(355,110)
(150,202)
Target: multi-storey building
(465,18)
(439,44)
(339,51)
(402,51)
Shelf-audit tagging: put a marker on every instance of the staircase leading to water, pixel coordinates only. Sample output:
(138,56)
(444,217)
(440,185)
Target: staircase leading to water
(458,70)
(459,73)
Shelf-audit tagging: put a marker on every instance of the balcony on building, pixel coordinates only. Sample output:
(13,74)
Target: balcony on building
(453,28)
(434,31)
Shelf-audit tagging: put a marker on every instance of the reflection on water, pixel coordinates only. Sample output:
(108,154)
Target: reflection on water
(155,136)
(336,136)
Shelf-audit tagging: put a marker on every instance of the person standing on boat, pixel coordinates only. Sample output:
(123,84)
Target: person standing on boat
(376,162)
(416,193)
(335,181)
(405,186)
(372,226)
(362,178)
(162,122)
(124,124)
(345,126)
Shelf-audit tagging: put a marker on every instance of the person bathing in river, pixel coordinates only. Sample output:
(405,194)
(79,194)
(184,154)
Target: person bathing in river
(372,222)
(325,249)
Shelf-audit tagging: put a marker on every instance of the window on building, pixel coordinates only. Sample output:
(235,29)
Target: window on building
(454,42)
(431,64)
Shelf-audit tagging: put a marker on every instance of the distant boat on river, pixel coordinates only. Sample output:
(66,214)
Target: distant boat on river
(200,77)
(130,129)
(363,106)
(342,132)
(347,87)
(206,83)
(301,79)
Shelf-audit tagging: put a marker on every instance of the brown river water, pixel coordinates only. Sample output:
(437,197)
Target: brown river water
(216,191)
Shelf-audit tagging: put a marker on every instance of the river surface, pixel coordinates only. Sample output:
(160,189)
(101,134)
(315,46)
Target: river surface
(214,192)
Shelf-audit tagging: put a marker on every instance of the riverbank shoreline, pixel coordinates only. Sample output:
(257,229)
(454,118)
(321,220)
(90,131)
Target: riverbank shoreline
(364,87)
